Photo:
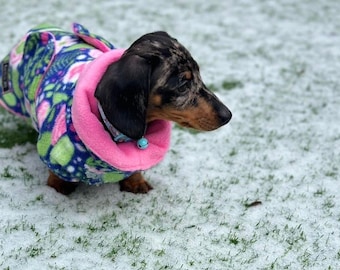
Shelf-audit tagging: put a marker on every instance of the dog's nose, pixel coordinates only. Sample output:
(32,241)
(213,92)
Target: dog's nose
(224,115)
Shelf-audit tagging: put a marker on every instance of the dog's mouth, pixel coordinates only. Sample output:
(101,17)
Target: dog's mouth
(202,124)
(186,125)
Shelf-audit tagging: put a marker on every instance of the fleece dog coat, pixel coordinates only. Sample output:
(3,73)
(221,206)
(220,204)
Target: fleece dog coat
(50,76)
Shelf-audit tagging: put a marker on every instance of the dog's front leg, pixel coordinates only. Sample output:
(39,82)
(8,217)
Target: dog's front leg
(135,184)
(60,185)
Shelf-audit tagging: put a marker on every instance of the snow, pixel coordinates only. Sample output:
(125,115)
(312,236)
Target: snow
(280,148)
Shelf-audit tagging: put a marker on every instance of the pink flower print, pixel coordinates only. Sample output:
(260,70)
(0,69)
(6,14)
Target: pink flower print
(72,74)
(44,38)
(42,112)
(15,58)
(59,128)
(17,53)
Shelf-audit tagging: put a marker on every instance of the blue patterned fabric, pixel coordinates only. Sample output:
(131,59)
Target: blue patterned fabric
(38,79)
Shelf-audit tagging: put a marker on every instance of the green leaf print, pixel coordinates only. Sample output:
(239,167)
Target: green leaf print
(62,152)
(10,99)
(44,143)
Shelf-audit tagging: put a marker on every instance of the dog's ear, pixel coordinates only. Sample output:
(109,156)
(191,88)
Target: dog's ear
(123,93)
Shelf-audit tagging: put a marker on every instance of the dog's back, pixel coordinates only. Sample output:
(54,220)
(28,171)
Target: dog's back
(46,59)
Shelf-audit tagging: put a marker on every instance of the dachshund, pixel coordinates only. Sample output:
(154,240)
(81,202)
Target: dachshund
(155,79)
(169,87)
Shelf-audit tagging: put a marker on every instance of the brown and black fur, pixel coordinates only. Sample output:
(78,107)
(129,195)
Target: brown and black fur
(156,78)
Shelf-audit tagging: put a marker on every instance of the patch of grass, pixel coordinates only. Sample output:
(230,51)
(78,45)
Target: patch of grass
(20,225)
(6,173)
(39,197)
(233,239)
(55,227)
(15,131)
(34,251)
(230,85)
(26,175)
(125,243)
(159,252)
(233,152)
(173,168)
(319,192)
(328,203)
(83,241)
(332,172)
(226,85)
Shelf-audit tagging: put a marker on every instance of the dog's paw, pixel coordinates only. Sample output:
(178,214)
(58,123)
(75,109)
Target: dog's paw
(60,185)
(135,184)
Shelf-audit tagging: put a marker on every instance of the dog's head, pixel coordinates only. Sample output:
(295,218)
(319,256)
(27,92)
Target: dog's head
(157,78)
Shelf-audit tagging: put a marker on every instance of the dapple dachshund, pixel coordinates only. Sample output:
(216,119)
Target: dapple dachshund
(103,114)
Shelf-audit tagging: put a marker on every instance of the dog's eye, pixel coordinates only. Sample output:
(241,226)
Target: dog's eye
(181,87)
(182,83)
(187,76)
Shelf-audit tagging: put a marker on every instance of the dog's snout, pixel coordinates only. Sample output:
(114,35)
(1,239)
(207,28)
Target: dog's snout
(224,114)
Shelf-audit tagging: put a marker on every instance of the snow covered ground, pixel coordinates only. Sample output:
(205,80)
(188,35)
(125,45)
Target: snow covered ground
(276,64)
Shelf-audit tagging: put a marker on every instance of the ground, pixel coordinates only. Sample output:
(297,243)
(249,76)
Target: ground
(276,64)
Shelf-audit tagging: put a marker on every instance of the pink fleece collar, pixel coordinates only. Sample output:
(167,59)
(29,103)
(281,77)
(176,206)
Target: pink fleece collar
(85,115)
